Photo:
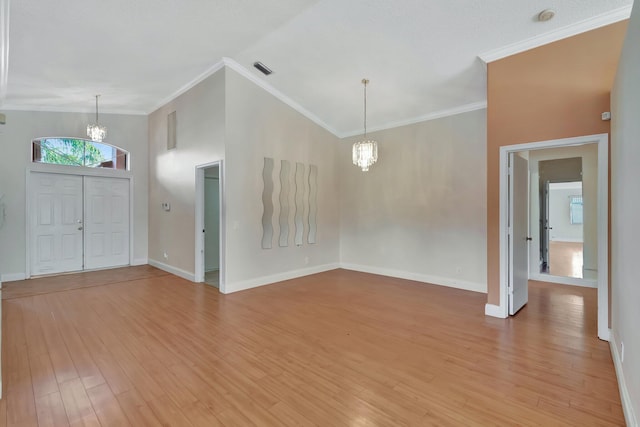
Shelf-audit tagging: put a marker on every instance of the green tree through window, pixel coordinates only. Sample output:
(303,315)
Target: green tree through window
(78,152)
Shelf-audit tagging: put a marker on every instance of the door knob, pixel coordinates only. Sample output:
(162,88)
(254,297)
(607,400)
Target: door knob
(80,228)
(529,238)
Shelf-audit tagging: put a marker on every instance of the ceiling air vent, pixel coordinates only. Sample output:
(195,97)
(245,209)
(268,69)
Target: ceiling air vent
(263,68)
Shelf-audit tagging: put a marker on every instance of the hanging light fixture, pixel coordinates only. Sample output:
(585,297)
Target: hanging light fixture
(365,152)
(95,131)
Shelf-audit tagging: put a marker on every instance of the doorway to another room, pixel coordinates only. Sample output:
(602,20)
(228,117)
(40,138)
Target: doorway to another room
(563,237)
(562,224)
(209,252)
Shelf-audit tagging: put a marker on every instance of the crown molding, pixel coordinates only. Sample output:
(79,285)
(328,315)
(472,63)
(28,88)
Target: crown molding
(426,117)
(209,72)
(611,17)
(235,66)
(4,48)
(50,109)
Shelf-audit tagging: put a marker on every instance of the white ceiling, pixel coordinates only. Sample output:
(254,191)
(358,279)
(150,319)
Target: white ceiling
(421,56)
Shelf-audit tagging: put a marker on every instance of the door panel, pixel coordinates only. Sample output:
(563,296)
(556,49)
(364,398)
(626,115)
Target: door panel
(518,239)
(106,222)
(56,208)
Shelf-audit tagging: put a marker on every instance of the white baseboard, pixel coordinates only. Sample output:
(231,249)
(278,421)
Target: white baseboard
(267,280)
(567,239)
(495,311)
(573,281)
(140,261)
(12,277)
(418,277)
(627,404)
(173,270)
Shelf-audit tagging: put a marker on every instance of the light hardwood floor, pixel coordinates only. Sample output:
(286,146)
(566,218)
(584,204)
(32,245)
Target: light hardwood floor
(565,259)
(334,349)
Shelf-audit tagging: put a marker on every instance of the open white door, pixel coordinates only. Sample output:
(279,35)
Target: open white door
(519,233)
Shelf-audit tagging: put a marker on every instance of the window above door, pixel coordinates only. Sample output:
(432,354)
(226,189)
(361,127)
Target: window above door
(78,152)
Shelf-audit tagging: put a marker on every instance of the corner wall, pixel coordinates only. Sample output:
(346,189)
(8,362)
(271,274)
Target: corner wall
(625,233)
(125,131)
(420,212)
(554,91)
(200,117)
(258,125)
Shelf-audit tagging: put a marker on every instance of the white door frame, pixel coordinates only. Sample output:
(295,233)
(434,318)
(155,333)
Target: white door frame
(72,170)
(602,224)
(199,221)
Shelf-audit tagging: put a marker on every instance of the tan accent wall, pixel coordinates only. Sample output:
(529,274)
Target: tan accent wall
(555,91)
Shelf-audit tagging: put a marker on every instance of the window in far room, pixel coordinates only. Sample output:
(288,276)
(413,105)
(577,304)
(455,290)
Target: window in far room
(575,209)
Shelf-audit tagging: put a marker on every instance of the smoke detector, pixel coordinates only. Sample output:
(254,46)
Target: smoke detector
(546,15)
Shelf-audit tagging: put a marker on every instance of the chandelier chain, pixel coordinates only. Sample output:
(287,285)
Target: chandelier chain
(97,108)
(365,81)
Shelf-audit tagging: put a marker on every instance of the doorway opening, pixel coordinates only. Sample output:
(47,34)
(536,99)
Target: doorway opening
(209,225)
(562,226)
(514,274)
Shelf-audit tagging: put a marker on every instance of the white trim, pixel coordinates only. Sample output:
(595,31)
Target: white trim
(199,224)
(625,397)
(13,277)
(480,105)
(494,311)
(589,24)
(563,280)
(207,73)
(78,170)
(4,48)
(418,277)
(131,216)
(275,278)
(140,261)
(173,270)
(603,220)
(81,110)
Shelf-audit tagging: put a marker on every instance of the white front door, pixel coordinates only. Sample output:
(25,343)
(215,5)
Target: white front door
(106,237)
(56,223)
(78,223)
(519,235)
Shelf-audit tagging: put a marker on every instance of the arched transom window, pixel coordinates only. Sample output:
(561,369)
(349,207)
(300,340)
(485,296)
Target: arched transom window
(79,152)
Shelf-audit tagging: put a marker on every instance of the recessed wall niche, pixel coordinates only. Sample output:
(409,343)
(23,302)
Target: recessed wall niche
(171,131)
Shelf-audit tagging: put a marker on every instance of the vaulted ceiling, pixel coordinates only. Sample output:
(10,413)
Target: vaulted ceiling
(422,57)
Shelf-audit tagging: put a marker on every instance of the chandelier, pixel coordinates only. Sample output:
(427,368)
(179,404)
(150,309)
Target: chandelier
(365,152)
(95,131)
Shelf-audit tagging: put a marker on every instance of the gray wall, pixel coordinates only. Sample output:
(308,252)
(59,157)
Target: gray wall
(420,212)
(625,205)
(258,125)
(127,132)
(200,120)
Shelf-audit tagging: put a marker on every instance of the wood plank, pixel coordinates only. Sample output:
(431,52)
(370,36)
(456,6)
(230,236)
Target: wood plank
(331,349)
(77,404)
(51,412)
